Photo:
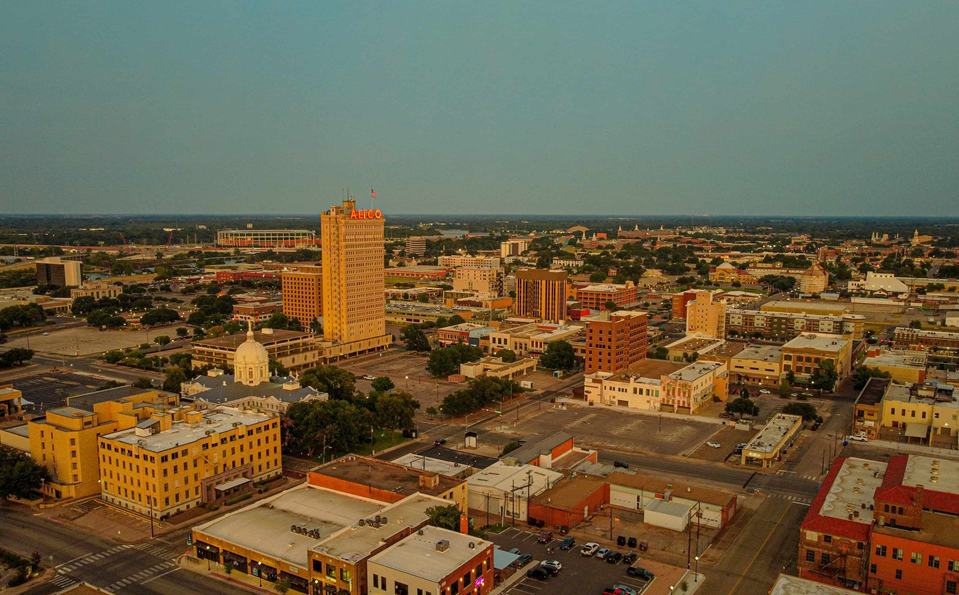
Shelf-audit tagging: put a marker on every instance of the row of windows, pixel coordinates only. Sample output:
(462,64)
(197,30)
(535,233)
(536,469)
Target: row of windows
(915,558)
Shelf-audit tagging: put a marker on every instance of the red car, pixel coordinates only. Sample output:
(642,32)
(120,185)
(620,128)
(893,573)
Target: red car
(545,537)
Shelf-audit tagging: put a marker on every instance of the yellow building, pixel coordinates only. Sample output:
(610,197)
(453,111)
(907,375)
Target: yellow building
(706,316)
(177,458)
(488,282)
(354,303)
(11,401)
(804,354)
(541,294)
(903,366)
(303,294)
(757,366)
(65,439)
(920,411)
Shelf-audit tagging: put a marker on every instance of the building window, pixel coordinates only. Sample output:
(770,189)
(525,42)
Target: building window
(951,587)
(810,556)
(376,577)
(898,574)
(401,589)
(824,559)
(953,566)
(896,553)
(827,538)
(933,561)
(331,571)
(872,569)
(344,574)
(916,558)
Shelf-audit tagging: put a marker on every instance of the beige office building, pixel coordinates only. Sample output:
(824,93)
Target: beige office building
(303,294)
(59,271)
(541,294)
(354,302)
(484,281)
(706,316)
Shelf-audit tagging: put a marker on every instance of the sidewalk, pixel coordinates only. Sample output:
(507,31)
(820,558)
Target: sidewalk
(216,571)
(914,448)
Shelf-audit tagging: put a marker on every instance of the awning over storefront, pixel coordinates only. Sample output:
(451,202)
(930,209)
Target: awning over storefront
(916,430)
(229,485)
(502,558)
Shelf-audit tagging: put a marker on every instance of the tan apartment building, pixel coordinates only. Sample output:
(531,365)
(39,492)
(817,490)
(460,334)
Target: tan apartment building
(354,304)
(541,294)
(706,316)
(867,411)
(638,387)
(180,457)
(416,246)
(689,389)
(532,339)
(804,354)
(487,282)
(615,340)
(296,350)
(303,294)
(65,439)
(785,325)
(514,247)
(97,290)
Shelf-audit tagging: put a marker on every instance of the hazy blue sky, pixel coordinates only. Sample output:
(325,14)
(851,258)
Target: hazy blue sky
(723,107)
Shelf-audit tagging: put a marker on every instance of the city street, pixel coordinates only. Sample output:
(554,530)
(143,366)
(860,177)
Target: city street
(143,568)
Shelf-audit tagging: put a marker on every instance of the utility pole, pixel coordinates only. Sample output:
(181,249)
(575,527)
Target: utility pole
(150,498)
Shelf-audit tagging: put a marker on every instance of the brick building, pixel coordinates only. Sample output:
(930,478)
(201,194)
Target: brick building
(615,340)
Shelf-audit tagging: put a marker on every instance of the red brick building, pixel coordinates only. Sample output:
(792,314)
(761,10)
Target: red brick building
(595,296)
(615,340)
(681,300)
(568,502)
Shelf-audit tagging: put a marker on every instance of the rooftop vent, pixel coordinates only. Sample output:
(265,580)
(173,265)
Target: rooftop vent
(442,545)
(934,479)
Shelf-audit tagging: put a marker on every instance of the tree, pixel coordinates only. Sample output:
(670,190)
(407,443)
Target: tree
(162,341)
(182,332)
(174,377)
(658,353)
(15,357)
(142,382)
(864,373)
(825,377)
(784,388)
(159,316)
(282,586)
(610,305)
(443,362)
(455,319)
(445,517)
(20,475)
(24,316)
(807,411)
(915,324)
(507,355)
(558,356)
(383,384)
(509,448)
(415,339)
(228,568)
(598,277)
(395,411)
(791,377)
(432,412)
(336,382)
(742,406)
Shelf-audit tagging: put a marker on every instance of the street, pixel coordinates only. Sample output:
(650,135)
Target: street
(143,568)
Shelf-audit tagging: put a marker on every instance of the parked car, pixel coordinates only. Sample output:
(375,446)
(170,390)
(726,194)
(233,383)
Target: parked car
(858,438)
(568,543)
(739,448)
(621,464)
(819,419)
(624,590)
(523,560)
(609,591)
(553,566)
(763,391)
(603,552)
(614,557)
(46,334)
(713,444)
(630,557)
(538,573)
(725,415)
(514,550)
(440,442)
(545,537)
(589,549)
(639,571)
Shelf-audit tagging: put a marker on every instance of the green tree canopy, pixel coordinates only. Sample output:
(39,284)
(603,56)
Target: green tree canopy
(446,517)
(507,355)
(174,376)
(335,381)
(20,475)
(742,406)
(383,384)
(558,356)
(807,411)
(825,377)
(415,339)
(864,373)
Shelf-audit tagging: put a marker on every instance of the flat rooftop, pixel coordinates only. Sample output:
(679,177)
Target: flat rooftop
(603,288)
(534,448)
(793,585)
(88,400)
(678,488)
(231,342)
(903,393)
(265,526)
(695,370)
(817,341)
(505,477)
(808,307)
(457,456)
(425,463)
(920,470)
(649,369)
(417,554)
(383,475)
(896,360)
(873,392)
(569,493)
(220,419)
(937,529)
(772,433)
(465,327)
(853,491)
(765,353)
(693,343)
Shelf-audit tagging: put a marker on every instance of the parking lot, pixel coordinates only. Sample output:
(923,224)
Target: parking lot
(87,340)
(579,576)
(599,427)
(728,437)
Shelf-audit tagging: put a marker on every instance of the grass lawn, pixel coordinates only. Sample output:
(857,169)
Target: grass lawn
(382,441)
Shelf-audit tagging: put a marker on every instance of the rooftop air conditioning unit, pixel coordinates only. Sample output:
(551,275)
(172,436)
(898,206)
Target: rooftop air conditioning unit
(442,545)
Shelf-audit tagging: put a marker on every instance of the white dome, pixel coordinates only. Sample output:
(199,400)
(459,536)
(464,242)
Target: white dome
(251,353)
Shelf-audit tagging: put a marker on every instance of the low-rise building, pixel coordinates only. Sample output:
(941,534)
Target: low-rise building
(759,365)
(433,560)
(97,290)
(596,296)
(502,492)
(486,282)
(691,347)
(921,412)
(568,502)
(272,395)
(786,325)
(532,339)
(805,354)
(495,367)
(466,332)
(904,367)
(553,451)
(412,313)
(708,507)
(766,447)
(418,272)
(867,411)
(639,386)
(256,312)
(689,389)
(454,261)
(941,343)
(383,481)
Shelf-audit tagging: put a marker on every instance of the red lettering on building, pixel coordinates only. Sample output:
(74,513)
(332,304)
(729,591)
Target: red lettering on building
(366,214)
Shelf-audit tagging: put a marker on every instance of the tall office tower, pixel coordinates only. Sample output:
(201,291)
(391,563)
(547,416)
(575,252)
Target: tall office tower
(541,294)
(706,316)
(354,304)
(303,294)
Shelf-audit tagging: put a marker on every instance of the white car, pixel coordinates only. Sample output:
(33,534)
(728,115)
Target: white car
(589,549)
(858,438)
(713,444)
(763,391)
(603,552)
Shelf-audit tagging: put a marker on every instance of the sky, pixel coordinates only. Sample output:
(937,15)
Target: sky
(636,107)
